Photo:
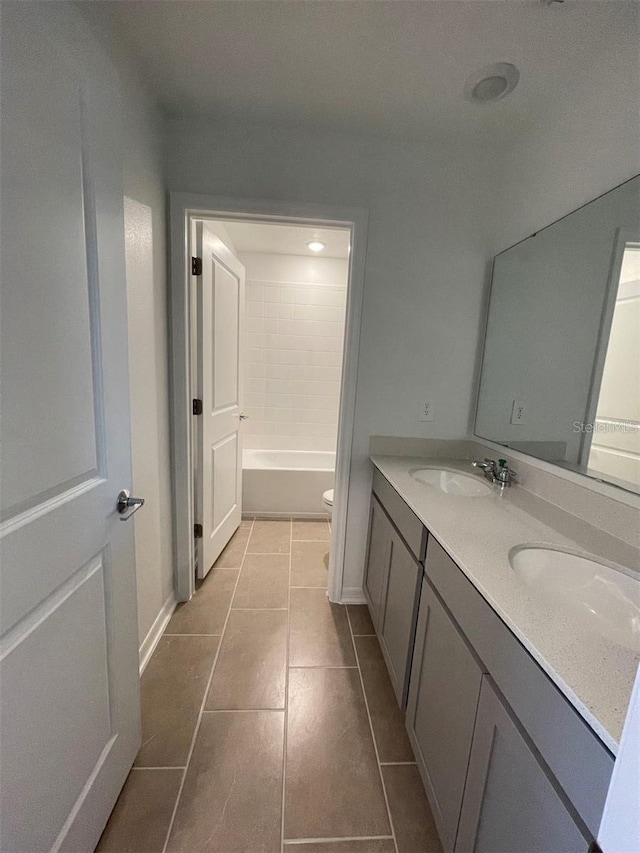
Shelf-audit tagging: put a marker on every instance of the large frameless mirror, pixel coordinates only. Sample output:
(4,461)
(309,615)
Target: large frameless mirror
(561,366)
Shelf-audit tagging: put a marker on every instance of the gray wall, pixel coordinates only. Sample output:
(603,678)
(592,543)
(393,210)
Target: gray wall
(145,228)
(437,215)
(425,267)
(145,245)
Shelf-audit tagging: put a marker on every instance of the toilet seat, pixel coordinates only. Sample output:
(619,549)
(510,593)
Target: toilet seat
(327,500)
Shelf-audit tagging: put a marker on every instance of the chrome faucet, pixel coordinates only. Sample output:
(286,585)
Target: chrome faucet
(498,472)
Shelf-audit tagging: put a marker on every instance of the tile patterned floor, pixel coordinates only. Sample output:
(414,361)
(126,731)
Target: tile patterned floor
(269,721)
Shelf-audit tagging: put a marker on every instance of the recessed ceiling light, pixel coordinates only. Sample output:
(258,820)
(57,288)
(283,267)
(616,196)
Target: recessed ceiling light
(491,83)
(316,245)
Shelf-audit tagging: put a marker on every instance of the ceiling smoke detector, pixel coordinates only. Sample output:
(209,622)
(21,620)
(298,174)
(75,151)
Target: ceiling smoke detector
(491,83)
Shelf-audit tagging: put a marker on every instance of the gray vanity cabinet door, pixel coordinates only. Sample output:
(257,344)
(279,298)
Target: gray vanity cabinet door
(512,803)
(377,565)
(443,700)
(396,629)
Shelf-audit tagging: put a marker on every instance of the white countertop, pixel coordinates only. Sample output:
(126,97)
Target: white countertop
(595,674)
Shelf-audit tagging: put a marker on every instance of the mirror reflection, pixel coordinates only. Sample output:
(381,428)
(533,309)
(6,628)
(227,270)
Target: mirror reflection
(561,367)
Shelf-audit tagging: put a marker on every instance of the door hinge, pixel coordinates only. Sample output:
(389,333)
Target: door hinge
(196,266)
(196,407)
(197,531)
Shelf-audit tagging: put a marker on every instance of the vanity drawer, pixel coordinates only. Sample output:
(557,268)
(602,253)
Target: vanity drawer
(575,755)
(407,523)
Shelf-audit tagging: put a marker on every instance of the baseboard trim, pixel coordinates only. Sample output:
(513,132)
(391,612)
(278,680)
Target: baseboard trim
(248,515)
(156,631)
(352,595)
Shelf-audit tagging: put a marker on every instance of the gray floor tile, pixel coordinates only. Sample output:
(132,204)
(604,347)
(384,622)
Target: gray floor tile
(332,787)
(387,719)
(231,557)
(208,608)
(264,581)
(360,619)
(352,845)
(172,689)
(140,819)
(413,823)
(231,800)
(311,530)
(250,670)
(319,631)
(310,564)
(270,537)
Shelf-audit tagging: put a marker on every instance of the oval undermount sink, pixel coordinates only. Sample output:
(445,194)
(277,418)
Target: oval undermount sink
(605,599)
(451,482)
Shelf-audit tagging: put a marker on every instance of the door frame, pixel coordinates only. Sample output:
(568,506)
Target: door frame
(623,237)
(183,209)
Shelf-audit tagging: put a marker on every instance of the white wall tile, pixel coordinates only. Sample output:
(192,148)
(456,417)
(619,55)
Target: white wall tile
(319,296)
(318,312)
(254,324)
(254,309)
(287,294)
(293,351)
(287,327)
(255,340)
(254,292)
(253,370)
(326,359)
(318,344)
(254,400)
(254,354)
(286,371)
(316,327)
(323,374)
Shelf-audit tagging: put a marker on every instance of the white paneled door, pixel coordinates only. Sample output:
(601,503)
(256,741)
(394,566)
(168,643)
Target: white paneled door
(220,291)
(69,724)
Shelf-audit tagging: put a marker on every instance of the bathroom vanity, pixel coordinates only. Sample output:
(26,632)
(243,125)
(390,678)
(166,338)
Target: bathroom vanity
(513,710)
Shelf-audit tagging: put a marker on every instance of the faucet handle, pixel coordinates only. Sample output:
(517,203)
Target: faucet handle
(487,465)
(505,474)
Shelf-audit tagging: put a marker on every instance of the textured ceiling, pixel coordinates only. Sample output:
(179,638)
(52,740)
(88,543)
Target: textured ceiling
(385,67)
(287,239)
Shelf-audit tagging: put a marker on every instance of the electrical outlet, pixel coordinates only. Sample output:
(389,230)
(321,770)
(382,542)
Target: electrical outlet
(427,411)
(517,412)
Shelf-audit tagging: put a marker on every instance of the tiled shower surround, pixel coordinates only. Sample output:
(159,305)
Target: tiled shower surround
(295,313)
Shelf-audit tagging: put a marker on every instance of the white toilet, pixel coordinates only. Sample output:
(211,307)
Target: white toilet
(327,501)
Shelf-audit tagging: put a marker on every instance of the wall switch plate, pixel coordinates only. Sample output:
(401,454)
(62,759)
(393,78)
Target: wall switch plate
(517,412)
(427,411)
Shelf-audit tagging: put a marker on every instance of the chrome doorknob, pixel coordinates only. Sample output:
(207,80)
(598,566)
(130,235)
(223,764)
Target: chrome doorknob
(126,502)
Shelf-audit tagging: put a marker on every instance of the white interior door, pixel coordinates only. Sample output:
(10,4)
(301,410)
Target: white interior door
(219,442)
(69,724)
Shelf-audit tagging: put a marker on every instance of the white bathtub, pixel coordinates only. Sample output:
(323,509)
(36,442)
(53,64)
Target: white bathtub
(286,482)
